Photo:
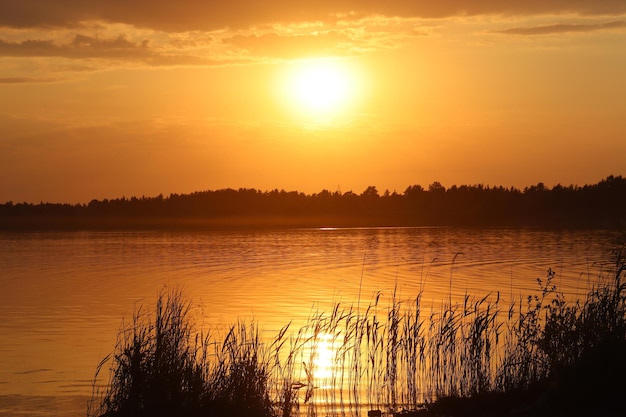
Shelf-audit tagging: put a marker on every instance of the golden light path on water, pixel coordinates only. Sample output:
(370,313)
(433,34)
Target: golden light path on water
(324,359)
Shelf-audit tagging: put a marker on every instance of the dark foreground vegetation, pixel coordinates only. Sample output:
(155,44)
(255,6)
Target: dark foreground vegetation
(598,205)
(542,355)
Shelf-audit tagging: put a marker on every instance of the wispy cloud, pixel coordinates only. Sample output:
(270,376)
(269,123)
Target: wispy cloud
(27,80)
(89,35)
(342,38)
(80,47)
(100,44)
(119,48)
(184,15)
(275,45)
(563,28)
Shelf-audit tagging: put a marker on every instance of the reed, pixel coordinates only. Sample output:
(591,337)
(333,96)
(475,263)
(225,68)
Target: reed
(394,358)
(162,367)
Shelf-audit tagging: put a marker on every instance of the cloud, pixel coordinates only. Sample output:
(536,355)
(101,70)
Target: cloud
(563,28)
(26,80)
(109,33)
(119,48)
(100,45)
(275,45)
(341,38)
(185,15)
(80,46)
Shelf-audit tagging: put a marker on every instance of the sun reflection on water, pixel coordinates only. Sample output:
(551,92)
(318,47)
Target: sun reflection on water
(324,359)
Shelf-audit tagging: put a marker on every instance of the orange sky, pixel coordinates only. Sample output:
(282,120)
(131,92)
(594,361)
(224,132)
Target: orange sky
(104,99)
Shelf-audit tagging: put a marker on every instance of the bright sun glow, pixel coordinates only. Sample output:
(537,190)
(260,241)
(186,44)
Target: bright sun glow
(321,87)
(324,357)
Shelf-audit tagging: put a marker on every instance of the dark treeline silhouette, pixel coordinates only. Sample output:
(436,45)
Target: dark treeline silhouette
(601,205)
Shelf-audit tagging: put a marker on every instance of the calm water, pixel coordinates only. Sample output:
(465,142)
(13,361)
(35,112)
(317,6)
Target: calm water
(63,295)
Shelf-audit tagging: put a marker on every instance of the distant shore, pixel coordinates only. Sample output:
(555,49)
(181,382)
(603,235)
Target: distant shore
(601,205)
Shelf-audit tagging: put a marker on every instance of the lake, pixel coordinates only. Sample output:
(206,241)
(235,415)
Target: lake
(63,295)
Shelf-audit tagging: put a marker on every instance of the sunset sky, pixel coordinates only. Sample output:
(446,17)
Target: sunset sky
(110,98)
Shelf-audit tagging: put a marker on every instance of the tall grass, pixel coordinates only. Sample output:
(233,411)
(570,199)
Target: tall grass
(162,367)
(391,357)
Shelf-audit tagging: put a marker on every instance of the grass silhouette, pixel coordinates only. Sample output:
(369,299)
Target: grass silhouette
(541,355)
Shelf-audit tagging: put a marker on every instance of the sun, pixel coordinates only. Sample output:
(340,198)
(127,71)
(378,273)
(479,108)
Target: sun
(321,87)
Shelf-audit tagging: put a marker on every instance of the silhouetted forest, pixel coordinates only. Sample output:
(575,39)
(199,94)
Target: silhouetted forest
(601,205)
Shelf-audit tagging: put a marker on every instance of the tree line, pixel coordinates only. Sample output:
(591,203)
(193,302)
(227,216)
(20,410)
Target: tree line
(596,205)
